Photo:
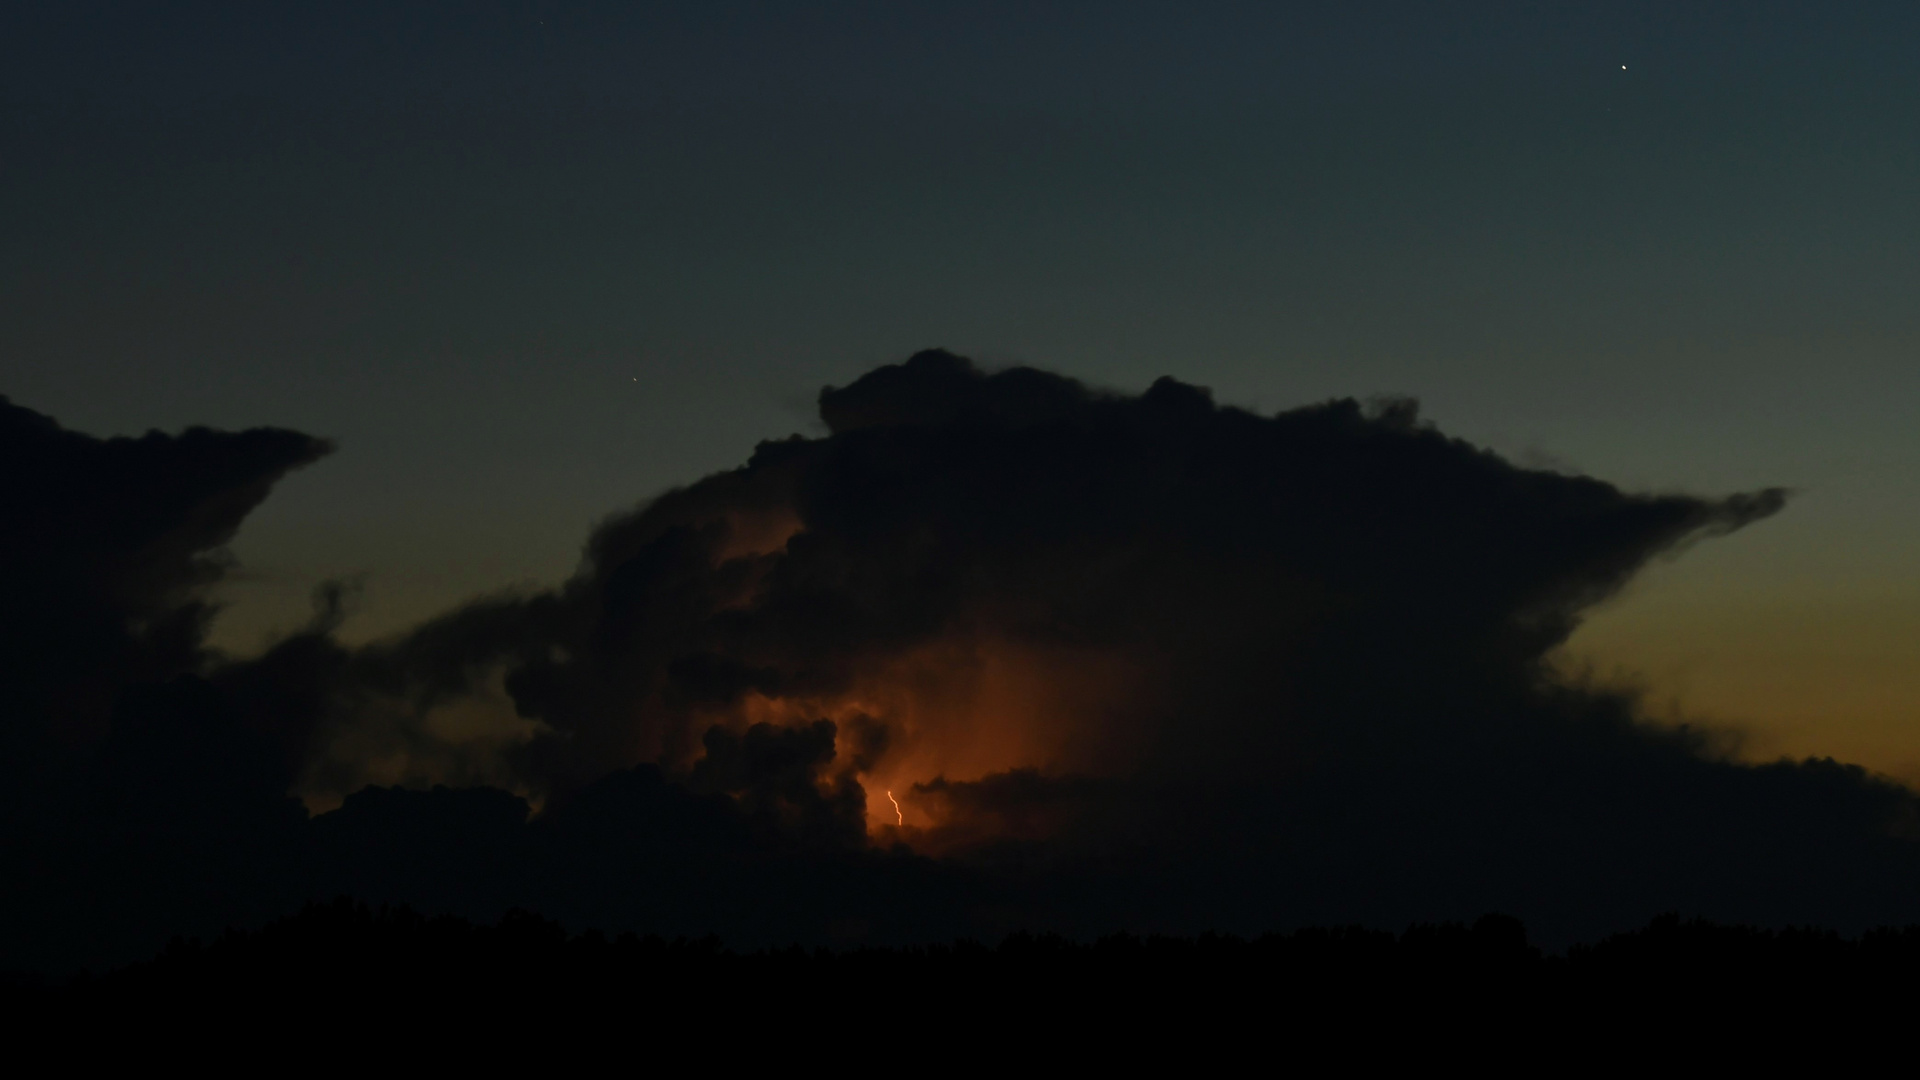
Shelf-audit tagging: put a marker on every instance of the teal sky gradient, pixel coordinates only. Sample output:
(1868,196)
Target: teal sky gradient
(533,265)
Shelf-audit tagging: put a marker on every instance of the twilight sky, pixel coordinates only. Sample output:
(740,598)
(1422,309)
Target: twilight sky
(530,264)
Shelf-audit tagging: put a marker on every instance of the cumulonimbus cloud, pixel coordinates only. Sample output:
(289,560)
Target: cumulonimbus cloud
(1120,661)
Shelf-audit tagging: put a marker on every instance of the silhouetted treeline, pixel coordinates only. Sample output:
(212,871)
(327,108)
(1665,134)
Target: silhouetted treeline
(348,958)
(343,985)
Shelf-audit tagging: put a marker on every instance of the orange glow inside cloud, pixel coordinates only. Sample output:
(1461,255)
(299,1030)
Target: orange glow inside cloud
(965,709)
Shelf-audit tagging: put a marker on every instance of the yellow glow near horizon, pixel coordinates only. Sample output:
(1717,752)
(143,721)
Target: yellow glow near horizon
(1793,674)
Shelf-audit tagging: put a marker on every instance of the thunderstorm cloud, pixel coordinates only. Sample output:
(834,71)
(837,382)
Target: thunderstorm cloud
(1123,662)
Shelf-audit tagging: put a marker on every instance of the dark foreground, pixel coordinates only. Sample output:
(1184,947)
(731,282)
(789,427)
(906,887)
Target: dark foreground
(339,978)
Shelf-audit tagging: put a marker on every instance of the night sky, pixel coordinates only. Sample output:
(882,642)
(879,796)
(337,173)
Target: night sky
(528,266)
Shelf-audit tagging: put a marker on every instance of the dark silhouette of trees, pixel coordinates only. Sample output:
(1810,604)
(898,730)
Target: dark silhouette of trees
(453,988)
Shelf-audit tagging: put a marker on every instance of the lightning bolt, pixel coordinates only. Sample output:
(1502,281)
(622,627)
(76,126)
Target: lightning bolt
(896,808)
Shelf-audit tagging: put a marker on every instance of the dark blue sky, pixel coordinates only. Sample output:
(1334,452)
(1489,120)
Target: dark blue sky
(531,263)
(1057,58)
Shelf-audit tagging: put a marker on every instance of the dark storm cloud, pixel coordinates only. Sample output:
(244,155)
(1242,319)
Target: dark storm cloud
(1126,660)
(108,549)
(1257,563)
(1336,625)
